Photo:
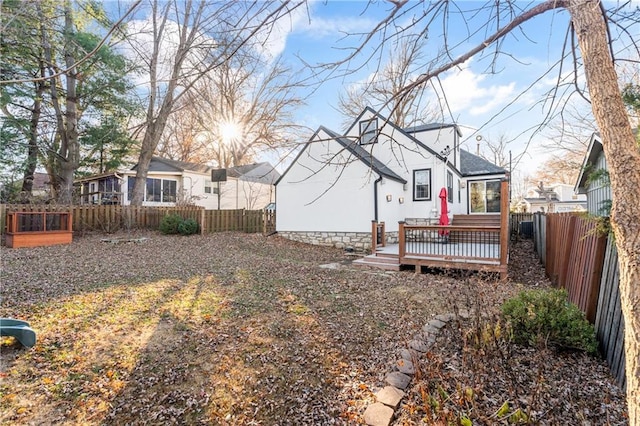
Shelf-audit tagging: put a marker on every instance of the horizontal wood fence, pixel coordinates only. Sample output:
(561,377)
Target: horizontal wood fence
(111,218)
(576,257)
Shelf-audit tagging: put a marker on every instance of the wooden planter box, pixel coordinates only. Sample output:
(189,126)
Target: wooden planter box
(34,229)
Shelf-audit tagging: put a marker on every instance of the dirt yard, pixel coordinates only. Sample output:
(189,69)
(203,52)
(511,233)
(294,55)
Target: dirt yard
(240,329)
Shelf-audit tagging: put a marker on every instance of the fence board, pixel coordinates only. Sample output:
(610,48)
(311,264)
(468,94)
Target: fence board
(585,266)
(110,218)
(592,277)
(609,321)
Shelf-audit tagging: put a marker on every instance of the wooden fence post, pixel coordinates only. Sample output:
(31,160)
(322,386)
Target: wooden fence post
(504,227)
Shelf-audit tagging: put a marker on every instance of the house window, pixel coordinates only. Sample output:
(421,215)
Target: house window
(157,190)
(207,186)
(169,191)
(368,131)
(422,185)
(450,187)
(154,190)
(484,196)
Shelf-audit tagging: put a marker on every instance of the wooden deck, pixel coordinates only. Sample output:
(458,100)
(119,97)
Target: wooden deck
(452,255)
(472,242)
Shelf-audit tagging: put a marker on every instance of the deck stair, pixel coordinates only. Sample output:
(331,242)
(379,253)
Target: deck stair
(476,220)
(388,262)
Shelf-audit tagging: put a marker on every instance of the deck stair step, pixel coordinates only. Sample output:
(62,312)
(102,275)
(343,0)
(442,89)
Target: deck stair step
(386,262)
(476,220)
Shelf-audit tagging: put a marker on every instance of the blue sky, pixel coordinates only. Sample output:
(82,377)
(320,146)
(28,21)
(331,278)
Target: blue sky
(505,101)
(478,99)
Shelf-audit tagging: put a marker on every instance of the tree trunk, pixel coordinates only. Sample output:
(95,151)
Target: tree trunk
(70,154)
(623,159)
(32,153)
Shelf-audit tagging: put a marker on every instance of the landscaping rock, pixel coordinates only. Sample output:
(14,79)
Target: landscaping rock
(430,329)
(445,317)
(390,396)
(378,414)
(409,354)
(398,380)
(406,367)
(419,345)
(437,323)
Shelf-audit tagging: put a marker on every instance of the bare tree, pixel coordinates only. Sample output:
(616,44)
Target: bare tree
(381,90)
(589,48)
(495,151)
(180,139)
(185,46)
(246,105)
(559,169)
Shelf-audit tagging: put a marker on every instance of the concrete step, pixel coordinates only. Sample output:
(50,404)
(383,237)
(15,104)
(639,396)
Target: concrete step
(379,262)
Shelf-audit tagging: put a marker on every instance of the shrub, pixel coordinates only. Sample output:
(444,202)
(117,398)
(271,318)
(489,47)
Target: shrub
(546,316)
(170,224)
(188,227)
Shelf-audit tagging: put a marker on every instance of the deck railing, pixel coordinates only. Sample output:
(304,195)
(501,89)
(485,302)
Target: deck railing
(451,242)
(463,247)
(378,235)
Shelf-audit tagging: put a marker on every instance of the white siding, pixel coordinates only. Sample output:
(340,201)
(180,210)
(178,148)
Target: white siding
(598,192)
(327,189)
(325,192)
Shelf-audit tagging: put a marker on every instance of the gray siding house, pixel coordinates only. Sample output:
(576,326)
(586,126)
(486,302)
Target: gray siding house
(594,179)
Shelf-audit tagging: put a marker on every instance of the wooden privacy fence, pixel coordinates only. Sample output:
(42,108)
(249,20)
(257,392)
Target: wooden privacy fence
(575,255)
(585,263)
(110,218)
(609,321)
(251,221)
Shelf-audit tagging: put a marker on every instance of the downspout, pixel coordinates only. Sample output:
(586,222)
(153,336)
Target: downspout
(375,198)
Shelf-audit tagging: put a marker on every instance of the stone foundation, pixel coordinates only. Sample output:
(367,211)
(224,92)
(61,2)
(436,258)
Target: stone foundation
(360,241)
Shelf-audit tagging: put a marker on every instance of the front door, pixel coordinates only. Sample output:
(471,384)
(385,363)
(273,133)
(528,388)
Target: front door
(484,196)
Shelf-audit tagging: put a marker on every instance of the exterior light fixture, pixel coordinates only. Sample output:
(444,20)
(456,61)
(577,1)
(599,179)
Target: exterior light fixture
(389,197)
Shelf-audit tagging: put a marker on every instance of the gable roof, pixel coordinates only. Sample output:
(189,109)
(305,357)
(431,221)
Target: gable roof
(432,126)
(365,156)
(256,172)
(405,132)
(591,157)
(160,164)
(472,165)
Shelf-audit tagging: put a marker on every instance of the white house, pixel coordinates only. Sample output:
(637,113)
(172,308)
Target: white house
(593,180)
(171,182)
(377,171)
(555,198)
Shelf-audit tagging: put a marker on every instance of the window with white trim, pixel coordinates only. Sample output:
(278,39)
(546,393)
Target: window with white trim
(156,191)
(368,131)
(422,185)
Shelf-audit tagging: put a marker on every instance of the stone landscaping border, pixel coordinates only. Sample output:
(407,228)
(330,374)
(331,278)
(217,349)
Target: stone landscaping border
(381,412)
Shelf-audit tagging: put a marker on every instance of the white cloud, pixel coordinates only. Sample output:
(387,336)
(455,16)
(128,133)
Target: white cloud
(467,92)
(273,40)
(318,27)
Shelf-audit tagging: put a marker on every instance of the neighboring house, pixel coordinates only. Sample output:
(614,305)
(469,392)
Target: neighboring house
(556,198)
(594,180)
(377,171)
(171,182)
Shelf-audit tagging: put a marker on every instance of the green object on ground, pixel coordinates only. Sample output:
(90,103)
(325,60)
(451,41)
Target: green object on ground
(18,329)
